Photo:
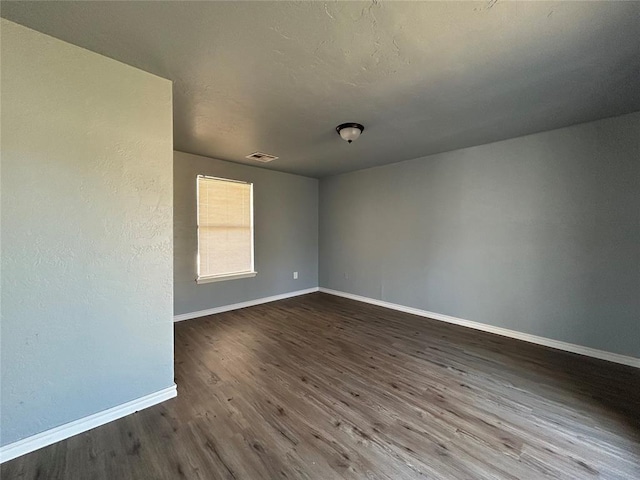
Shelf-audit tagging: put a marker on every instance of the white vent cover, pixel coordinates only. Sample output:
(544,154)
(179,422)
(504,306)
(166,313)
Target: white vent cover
(261,157)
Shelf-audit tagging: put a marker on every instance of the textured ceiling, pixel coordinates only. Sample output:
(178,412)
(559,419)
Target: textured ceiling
(422,77)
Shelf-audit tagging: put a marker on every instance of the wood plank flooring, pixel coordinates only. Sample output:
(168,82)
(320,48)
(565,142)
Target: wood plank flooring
(321,387)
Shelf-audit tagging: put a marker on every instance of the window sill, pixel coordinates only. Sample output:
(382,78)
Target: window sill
(222,278)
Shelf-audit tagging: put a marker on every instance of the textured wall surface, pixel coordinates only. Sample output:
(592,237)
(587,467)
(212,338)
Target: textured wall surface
(86,233)
(539,234)
(286,234)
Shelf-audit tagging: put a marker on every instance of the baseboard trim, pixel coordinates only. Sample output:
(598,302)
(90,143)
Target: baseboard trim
(48,437)
(547,342)
(236,306)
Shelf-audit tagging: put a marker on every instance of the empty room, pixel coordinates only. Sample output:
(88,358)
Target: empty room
(319,240)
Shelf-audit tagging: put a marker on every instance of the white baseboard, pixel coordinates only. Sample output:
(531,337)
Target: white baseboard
(547,342)
(35,442)
(236,306)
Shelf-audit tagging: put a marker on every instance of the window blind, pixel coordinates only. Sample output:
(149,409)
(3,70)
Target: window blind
(225,227)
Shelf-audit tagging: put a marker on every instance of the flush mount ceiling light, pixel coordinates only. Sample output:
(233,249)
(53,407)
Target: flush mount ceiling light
(349,131)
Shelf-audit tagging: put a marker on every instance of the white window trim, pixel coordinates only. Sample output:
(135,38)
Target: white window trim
(227,276)
(222,278)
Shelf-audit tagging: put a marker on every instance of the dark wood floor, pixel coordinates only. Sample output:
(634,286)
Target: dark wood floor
(323,387)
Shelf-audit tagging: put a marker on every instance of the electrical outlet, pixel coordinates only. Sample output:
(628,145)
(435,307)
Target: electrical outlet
(295,275)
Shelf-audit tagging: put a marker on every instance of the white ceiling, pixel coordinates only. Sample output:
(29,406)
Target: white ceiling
(423,77)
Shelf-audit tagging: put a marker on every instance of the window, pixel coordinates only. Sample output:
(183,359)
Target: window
(225,229)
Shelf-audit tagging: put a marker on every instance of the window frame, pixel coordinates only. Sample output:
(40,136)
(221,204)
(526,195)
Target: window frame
(202,279)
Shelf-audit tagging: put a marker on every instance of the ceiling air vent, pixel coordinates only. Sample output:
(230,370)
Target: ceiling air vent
(261,157)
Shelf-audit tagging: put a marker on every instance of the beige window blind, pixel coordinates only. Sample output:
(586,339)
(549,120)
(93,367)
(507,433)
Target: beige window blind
(225,229)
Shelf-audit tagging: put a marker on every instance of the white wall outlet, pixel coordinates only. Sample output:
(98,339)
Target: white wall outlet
(295,275)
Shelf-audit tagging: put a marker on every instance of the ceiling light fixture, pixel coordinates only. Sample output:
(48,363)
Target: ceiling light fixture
(349,131)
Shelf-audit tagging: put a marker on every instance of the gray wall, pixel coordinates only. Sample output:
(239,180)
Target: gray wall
(86,259)
(539,234)
(286,234)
